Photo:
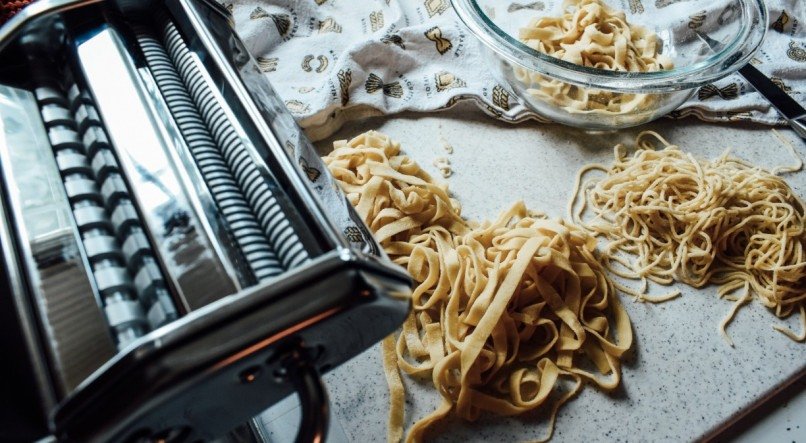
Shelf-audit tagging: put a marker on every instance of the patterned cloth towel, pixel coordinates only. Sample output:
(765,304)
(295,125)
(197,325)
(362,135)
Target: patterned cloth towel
(336,60)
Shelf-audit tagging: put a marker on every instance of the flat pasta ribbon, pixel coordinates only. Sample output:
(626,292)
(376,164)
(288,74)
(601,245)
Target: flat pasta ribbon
(503,310)
(591,34)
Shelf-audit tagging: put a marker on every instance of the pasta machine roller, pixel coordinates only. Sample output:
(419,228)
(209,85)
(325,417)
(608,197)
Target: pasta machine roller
(176,257)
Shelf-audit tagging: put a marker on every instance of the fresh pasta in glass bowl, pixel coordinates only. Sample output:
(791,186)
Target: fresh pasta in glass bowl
(591,64)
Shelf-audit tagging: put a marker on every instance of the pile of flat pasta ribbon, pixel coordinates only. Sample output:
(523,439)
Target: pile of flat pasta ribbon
(503,311)
(593,35)
(722,221)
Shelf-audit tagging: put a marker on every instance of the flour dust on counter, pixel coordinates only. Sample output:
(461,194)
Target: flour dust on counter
(669,217)
(510,316)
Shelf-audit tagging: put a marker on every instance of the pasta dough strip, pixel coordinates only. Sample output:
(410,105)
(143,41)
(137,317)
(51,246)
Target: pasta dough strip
(502,310)
(722,221)
(591,34)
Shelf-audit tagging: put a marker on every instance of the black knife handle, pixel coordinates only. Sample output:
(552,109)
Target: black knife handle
(785,104)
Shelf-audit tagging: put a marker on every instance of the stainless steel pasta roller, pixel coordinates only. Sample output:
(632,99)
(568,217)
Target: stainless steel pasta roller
(176,257)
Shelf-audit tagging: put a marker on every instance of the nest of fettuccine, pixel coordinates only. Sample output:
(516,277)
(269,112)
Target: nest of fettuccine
(503,310)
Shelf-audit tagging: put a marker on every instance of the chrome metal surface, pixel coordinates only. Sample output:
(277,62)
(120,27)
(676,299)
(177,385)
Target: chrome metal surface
(51,252)
(36,10)
(145,221)
(189,251)
(799,125)
(296,147)
(193,179)
(337,304)
(202,24)
(287,244)
(312,397)
(122,303)
(19,294)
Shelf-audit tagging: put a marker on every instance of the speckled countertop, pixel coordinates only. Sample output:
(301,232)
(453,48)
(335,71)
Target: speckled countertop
(682,381)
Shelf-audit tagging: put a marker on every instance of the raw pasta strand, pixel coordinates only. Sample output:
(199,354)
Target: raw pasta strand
(503,310)
(798,161)
(732,313)
(396,390)
(722,221)
(791,334)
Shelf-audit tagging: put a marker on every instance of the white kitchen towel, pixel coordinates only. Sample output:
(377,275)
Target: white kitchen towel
(336,60)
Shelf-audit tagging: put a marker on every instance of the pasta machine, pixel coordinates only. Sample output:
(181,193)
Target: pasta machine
(175,256)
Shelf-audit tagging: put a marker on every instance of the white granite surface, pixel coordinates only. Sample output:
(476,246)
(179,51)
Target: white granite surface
(784,421)
(682,381)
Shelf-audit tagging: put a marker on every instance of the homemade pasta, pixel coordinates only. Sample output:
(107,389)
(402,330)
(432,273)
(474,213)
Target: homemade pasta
(503,311)
(444,166)
(591,34)
(722,221)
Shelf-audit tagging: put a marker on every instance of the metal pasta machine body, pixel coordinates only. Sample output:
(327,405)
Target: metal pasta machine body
(175,256)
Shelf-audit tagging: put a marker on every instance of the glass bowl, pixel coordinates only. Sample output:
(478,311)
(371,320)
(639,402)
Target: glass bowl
(553,87)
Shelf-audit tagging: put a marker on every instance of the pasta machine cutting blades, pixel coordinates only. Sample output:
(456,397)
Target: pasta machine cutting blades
(176,257)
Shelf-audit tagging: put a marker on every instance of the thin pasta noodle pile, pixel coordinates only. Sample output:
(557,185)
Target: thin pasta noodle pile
(502,311)
(591,34)
(669,216)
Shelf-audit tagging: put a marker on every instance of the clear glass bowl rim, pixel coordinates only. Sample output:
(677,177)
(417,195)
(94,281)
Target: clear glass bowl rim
(732,56)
